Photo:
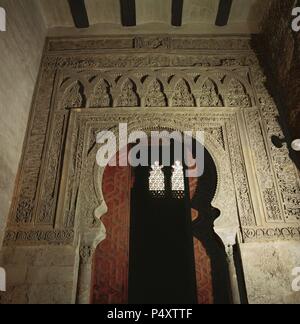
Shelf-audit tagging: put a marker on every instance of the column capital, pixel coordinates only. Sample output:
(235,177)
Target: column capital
(228,235)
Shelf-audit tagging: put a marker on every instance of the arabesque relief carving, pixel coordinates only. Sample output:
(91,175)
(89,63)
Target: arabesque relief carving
(159,88)
(199,87)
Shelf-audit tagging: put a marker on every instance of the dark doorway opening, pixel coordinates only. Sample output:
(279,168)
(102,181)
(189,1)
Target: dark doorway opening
(162,266)
(161,247)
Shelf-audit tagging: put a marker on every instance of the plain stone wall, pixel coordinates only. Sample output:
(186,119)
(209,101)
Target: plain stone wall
(268,272)
(40,275)
(21,48)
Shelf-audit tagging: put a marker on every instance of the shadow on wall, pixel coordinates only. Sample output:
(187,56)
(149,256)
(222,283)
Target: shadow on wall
(257,12)
(203,230)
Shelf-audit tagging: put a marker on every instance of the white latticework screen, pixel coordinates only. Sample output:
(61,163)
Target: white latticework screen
(178,180)
(157,179)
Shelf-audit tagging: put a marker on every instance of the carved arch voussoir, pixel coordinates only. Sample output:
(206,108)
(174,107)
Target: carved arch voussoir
(168,81)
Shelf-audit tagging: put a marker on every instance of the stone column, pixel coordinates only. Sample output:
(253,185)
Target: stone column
(85,275)
(228,236)
(235,292)
(90,239)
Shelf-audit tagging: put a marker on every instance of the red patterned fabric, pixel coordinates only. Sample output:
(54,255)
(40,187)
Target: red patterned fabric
(202,260)
(203,274)
(193,183)
(111,260)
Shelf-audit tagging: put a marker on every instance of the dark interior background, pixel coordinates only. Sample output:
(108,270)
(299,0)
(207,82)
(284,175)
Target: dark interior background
(162,265)
(161,250)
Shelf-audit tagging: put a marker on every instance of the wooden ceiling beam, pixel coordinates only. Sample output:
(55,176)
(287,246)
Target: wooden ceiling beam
(223,12)
(128,13)
(79,13)
(177,9)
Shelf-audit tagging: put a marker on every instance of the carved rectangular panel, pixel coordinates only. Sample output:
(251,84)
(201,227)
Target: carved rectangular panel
(219,77)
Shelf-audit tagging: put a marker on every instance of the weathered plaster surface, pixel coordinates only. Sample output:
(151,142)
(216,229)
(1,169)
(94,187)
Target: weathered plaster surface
(39,275)
(268,272)
(21,49)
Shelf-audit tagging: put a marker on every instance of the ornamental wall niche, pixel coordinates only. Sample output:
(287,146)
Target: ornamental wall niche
(92,84)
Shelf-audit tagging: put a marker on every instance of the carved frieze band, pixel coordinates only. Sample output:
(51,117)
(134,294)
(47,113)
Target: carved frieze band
(126,61)
(157,88)
(256,234)
(21,237)
(149,43)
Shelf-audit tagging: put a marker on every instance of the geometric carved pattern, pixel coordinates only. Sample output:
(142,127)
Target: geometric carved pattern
(24,211)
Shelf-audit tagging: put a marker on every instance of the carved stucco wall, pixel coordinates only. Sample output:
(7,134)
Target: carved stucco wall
(152,83)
